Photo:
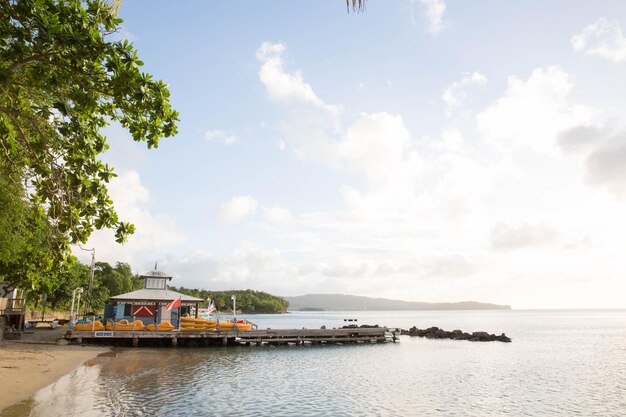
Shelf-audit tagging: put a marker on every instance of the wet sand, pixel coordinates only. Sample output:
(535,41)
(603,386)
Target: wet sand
(30,364)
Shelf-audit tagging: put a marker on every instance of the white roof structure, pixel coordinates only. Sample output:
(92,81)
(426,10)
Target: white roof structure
(152,295)
(155,295)
(155,273)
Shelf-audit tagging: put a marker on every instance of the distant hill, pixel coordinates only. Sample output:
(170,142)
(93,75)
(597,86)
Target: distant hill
(316,302)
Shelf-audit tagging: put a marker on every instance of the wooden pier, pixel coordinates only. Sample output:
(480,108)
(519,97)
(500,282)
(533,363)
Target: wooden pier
(233,338)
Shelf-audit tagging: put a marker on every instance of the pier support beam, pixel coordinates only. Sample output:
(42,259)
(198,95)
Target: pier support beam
(224,341)
(135,341)
(174,341)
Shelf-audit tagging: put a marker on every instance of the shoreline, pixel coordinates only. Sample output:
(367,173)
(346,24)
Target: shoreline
(27,366)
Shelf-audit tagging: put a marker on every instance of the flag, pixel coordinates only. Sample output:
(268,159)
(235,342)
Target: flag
(173,304)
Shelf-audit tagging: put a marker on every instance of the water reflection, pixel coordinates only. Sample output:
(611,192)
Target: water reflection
(559,364)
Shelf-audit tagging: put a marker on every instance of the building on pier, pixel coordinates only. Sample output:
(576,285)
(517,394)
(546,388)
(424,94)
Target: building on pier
(148,304)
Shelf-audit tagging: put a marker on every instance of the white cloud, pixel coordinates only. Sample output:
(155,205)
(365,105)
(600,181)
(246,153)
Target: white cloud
(283,86)
(247,266)
(237,209)
(603,152)
(227,138)
(533,111)
(414,208)
(506,237)
(603,39)
(278,215)
(155,233)
(434,11)
(454,94)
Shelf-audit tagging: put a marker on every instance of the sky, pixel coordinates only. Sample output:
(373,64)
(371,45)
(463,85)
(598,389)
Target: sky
(423,150)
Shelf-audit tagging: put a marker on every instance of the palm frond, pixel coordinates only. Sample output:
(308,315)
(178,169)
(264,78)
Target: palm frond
(115,6)
(358,6)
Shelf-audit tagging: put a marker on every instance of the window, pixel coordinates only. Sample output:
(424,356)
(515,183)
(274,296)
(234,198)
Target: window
(155,283)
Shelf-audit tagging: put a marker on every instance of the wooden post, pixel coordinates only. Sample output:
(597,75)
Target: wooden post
(174,341)
(224,341)
(135,341)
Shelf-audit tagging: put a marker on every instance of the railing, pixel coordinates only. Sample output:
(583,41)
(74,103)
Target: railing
(12,306)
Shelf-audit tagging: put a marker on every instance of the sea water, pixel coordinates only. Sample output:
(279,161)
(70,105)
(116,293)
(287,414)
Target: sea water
(560,363)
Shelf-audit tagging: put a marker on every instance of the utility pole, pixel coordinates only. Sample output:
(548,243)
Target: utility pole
(90,287)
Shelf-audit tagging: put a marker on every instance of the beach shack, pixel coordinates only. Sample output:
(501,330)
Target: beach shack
(12,312)
(149,304)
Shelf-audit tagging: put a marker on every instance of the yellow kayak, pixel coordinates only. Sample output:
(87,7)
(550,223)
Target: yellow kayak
(125,326)
(164,326)
(88,327)
(229,325)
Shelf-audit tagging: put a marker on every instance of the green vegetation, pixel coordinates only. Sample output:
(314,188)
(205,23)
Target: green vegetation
(63,79)
(107,281)
(248,301)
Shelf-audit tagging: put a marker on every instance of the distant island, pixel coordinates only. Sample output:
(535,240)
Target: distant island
(319,302)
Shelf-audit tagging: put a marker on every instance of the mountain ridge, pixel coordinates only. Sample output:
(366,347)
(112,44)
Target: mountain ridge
(345,302)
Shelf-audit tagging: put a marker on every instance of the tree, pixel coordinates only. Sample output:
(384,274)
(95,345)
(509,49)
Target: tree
(118,280)
(24,258)
(62,79)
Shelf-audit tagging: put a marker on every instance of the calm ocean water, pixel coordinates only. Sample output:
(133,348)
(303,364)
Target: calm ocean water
(560,363)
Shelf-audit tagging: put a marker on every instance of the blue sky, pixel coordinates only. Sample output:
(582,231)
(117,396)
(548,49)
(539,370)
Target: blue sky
(423,150)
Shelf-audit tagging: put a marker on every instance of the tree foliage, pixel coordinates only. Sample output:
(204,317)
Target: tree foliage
(62,79)
(107,281)
(24,258)
(248,301)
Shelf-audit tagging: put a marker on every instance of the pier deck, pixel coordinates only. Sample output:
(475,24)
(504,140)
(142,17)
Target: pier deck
(230,338)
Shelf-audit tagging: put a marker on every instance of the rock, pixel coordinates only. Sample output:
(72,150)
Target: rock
(442,334)
(482,336)
(413,331)
(503,338)
(437,333)
(323,327)
(63,342)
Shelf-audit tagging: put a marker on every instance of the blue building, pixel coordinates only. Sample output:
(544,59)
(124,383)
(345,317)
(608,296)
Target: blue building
(148,304)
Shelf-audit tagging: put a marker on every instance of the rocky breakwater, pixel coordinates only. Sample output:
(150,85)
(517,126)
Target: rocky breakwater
(437,333)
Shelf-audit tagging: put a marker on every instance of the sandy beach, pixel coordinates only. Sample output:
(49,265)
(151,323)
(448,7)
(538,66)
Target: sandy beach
(30,364)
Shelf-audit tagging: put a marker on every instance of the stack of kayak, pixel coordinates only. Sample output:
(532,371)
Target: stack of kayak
(125,326)
(190,324)
(164,326)
(187,324)
(229,325)
(89,326)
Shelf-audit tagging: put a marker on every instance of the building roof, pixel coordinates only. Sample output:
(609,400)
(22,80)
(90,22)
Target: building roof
(154,295)
(155,273)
